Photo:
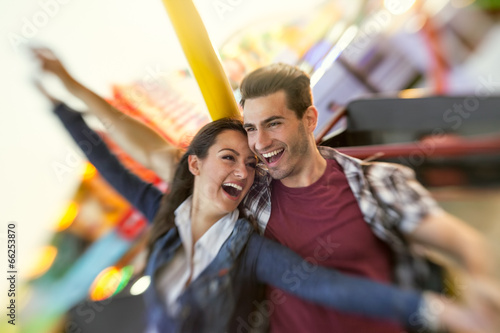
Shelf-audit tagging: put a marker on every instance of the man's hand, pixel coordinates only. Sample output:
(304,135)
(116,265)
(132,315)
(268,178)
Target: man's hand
(475,310)
(482,296)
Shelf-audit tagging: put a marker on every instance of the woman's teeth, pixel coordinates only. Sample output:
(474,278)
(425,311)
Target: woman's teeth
(238,187)
(232,189)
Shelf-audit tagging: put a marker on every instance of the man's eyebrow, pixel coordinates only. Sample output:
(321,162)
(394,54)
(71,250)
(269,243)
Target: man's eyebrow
(234,151)
(263,122)
(268,120)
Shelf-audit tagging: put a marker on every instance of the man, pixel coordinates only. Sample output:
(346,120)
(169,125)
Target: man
(324,205)
(316,196)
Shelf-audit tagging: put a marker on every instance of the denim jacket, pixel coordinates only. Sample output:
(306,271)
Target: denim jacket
(209,303)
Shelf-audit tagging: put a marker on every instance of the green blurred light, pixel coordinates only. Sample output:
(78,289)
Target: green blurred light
(126,274)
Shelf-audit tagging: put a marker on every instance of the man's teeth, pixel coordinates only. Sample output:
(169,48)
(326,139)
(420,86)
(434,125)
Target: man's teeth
(271,154)
(238,187)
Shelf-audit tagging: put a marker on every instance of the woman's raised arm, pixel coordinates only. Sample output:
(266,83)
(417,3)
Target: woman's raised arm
(144,196)
(143,143)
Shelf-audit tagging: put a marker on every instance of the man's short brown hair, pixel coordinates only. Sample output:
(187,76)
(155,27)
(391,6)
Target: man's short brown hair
(273,78)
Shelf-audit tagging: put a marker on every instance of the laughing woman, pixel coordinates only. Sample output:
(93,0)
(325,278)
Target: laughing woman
(206,260)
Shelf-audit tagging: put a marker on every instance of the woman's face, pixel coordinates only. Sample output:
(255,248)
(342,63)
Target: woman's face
(225,175)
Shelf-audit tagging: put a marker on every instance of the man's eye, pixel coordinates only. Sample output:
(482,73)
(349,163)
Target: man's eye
(250,129)
(274,124)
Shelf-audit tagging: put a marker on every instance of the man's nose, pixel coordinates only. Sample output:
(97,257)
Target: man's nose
(263,141)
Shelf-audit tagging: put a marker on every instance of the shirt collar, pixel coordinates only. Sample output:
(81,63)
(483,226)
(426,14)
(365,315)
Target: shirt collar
(348,163)
(212,240)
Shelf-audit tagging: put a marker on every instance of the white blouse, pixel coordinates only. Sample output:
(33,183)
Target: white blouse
(173,276)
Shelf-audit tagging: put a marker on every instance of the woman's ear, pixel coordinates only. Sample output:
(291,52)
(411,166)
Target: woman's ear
(193,164)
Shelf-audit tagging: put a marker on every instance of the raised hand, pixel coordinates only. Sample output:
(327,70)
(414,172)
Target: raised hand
(51,64)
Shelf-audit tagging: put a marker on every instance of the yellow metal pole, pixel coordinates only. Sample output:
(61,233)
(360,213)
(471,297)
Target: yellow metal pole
(202,58)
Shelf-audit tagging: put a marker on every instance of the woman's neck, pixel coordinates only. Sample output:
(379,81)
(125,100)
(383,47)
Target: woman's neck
(201,221)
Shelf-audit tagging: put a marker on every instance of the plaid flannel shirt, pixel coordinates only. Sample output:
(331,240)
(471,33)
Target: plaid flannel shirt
(391,200)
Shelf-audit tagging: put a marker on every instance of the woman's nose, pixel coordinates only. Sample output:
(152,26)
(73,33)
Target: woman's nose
(241,171)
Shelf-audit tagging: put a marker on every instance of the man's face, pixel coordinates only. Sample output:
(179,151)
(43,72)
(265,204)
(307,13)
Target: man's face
(276,135)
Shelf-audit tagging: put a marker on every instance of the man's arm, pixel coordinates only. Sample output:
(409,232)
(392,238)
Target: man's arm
(426,225)
(143,143)
(477,286)
(452,237)
(430,228)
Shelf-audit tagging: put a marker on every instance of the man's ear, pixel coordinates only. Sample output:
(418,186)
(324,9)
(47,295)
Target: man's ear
(311,118)
(193,163)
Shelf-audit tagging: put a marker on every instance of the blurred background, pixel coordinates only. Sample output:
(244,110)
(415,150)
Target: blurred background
(413,82)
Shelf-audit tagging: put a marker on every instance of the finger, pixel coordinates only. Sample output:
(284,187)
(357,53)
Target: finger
(488,292)
(43,53)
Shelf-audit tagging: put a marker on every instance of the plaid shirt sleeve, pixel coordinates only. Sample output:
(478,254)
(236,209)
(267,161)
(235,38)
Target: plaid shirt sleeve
(393,203)
(257,203)
(388,194)
(403,201)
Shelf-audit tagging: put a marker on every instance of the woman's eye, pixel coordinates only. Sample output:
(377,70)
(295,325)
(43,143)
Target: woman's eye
(228,157)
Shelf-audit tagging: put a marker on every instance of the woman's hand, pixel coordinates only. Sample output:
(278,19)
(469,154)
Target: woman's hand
(51,64)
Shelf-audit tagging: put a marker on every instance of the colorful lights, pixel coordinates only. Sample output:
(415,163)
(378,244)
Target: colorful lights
(89,172)
(140,285)
(68,217)
(110,282)
(46,257)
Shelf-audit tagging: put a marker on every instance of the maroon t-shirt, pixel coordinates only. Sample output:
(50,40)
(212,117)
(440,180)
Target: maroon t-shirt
(324,225)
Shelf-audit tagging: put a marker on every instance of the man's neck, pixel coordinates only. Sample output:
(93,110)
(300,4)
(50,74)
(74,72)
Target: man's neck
(312,170)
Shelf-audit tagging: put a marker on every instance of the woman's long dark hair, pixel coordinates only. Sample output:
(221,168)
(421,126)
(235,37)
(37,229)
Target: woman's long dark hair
(183,183)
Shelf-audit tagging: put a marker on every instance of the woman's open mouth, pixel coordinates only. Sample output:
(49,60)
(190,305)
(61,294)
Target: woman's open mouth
(232,189)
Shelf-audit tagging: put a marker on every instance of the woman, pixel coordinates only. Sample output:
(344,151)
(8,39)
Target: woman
(207,262)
